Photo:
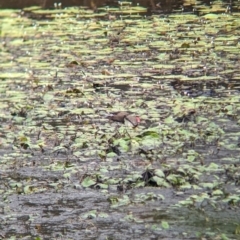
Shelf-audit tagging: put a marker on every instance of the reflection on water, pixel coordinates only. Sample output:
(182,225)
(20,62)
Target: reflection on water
(153,6)
(165,5)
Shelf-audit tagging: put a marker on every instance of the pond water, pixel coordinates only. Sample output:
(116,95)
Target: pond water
(68,171)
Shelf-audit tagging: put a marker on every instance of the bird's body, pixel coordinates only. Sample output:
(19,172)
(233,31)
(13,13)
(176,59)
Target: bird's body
(125,117)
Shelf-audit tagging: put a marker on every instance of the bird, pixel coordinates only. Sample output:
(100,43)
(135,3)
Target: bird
(125,117)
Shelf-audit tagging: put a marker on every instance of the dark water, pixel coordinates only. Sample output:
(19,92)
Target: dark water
(89,3)
(153,6)
(164,5)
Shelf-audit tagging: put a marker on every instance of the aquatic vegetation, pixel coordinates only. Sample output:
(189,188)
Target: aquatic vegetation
(64,71)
